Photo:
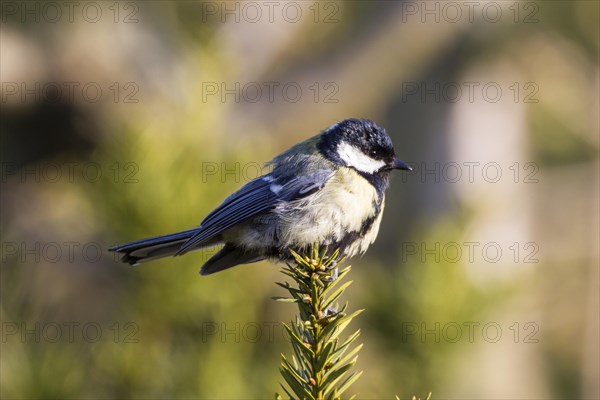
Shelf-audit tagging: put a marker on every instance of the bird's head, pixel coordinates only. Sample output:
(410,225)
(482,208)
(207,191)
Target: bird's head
(362,145)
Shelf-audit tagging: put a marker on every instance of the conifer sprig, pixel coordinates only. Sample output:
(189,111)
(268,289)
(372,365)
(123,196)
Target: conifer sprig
(321,361)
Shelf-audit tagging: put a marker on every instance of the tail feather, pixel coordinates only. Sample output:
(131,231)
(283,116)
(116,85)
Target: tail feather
(156,247)
(229,256)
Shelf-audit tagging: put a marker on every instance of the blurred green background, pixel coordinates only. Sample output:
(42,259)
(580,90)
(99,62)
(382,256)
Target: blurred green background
(122,120)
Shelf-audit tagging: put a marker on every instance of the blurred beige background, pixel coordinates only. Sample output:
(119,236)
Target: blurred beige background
(122,120)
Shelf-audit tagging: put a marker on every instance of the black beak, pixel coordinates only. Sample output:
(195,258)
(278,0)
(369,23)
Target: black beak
(401,165)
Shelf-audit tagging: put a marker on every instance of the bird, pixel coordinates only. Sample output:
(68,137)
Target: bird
(327,190)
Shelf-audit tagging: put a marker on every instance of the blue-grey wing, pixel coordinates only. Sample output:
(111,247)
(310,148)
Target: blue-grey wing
(256,197)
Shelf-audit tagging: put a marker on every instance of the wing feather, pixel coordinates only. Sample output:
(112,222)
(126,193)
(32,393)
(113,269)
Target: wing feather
(256,197)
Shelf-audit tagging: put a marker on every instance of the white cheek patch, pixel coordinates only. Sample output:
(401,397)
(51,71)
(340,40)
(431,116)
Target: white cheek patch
(354,157)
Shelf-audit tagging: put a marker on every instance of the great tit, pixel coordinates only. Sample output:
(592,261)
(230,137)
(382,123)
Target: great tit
(329,190)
